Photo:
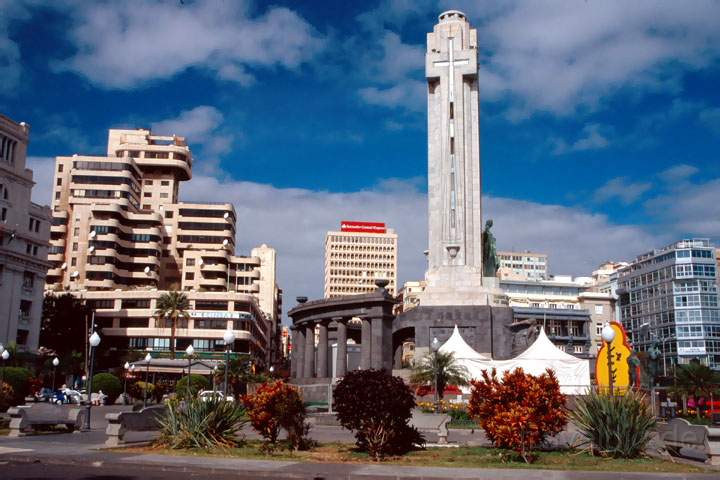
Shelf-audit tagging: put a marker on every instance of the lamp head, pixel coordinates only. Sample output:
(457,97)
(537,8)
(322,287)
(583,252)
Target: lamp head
(148,357)
(94,339)
(127,365)
(55,362)
(435,345)
(272,369)
(229,337)
(5,355)
(608,333)
(189,350)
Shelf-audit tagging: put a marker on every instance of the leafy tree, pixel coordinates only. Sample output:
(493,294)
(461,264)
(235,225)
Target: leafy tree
(520,411)
(697,380)
(63,329)
(109,384)
(173,305)
(442,367)
(240,372)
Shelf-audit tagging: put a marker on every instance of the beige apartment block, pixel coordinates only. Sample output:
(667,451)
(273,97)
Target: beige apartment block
(120,238)
(410,295)
(24,235)
(522,266)
(357,255)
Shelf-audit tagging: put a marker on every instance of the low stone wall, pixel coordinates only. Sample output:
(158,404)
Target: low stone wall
(27,419)
(678,433)
(121,425)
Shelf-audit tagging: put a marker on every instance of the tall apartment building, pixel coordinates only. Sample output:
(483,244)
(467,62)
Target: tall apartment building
(357,255)
(522,266)
(24,235)
(120,238)
(669,297)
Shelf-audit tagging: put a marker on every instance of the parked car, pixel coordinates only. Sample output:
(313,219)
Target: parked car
(207,395)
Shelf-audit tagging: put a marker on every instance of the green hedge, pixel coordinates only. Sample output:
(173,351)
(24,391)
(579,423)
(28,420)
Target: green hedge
(19,379)
(197,383)
(109,384)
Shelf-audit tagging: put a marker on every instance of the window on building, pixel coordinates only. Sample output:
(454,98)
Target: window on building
(578,349)
(165,183)
(168,214)
(3,215)
(599,309)
(59,182)
(147,194)
(76,231)
(35,250)
(189,276)
(28,280)
(146,207)
(60,167)
(22,336)
(25,309)
(57,195)
(163,195)
(28,248)
(190,262)
(148,182)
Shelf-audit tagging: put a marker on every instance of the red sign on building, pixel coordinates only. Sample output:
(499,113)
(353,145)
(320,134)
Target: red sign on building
(362,227)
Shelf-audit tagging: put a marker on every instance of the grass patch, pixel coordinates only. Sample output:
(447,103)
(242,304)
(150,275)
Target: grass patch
(469,457)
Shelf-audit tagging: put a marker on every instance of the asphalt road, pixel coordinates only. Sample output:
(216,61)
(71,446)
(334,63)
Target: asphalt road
(39,471)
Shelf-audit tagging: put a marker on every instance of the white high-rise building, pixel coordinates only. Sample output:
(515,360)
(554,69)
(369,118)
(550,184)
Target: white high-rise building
(24,235)
(357,255)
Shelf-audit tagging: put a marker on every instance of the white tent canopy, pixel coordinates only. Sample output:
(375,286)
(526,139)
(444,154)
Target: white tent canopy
(572,373)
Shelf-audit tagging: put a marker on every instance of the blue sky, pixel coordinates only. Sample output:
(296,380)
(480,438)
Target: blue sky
(600,123)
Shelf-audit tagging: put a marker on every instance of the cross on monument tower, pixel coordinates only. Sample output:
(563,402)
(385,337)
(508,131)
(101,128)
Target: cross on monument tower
(454,275)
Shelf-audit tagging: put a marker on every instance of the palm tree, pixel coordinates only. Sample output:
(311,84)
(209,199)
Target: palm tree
(698,380)
(173,305)
(439,369)
(239,373)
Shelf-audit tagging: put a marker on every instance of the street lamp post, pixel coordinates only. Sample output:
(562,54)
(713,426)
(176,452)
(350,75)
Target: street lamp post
(4,355)
(229,338)
(126,367)
(608,335)
(435,346)
(215,369)
(94,340)
(189,352)
(148,357)
(55,363)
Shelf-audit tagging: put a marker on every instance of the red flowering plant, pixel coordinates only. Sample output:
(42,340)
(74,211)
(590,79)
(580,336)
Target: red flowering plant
(277,405)
(520,411)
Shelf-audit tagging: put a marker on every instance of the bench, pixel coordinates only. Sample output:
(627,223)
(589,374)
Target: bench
(432,422)
(120,424)
(26,419)
(679,433)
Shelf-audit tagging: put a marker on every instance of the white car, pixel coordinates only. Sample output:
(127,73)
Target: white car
(207,395)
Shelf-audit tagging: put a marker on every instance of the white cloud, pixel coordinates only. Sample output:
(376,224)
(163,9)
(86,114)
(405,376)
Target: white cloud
(558,56)
(691,208)
(591,139)
(564,56)
(622,189)
(122,46)
(408,94)
(10,58)
(201,125)
(577,241)
(678,173)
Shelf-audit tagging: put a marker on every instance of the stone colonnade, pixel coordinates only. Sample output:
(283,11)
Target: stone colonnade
(375,312)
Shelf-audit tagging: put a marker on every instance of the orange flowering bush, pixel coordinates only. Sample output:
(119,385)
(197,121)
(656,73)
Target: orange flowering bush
(520,411)
(277,405)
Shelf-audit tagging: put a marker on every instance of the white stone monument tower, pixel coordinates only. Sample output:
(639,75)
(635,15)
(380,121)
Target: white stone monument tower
(454,275)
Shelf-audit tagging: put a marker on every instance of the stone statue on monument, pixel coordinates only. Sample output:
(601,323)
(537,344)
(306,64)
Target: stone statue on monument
(490,259)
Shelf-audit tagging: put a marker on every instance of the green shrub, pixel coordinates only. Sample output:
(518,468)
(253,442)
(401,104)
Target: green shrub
(197,383)
(109,384)
(201,424)
(137,390)
(377,407)
(19,379)
(617,426)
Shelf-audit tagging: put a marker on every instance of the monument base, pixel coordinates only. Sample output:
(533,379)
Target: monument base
(485,328)
(456,285)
